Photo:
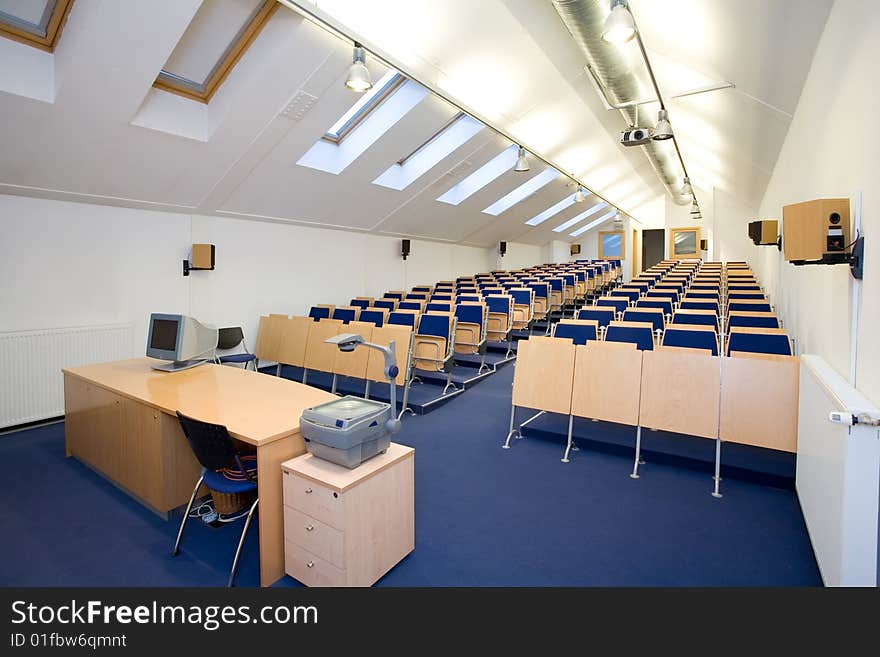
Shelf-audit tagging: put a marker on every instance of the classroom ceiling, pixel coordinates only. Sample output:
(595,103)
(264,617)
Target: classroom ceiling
(84,123)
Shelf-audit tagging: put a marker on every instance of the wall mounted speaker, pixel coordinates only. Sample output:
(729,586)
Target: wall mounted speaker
(764,231)
(575,249)
(404,248)
(502,248)
(814,229)
(202,258)
(704,245)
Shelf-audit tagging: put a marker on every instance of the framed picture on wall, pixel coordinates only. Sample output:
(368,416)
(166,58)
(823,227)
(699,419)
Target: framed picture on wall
(612,244)
(684,243)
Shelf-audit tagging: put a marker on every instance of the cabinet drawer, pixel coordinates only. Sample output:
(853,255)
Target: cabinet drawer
(314,535)
(304,566)
(314,500)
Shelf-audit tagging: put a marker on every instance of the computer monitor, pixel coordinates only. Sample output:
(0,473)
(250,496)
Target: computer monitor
(184,341)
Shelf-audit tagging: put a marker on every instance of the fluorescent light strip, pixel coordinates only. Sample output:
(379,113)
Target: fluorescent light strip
(577,219)
(522,192)
(498,165)
(593,224)
(551,211)
(398,176)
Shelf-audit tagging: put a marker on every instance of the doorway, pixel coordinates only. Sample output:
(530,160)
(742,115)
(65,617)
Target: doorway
(653,247)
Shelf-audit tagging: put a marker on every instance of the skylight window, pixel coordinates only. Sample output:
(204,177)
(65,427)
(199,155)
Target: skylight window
(37,23)
(216,38)
(364,105)
(522,192)
(593,224)
(334,156)
(553,210)
(578,218)
(498,165)
(420,161)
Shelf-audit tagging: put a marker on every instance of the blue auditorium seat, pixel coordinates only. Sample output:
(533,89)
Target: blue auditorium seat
(698,319)
(641,336)
(656,302)
(768,321)
(644,315)
(410,305)
(618,304)
(749,306)
(360,303)
(674,336)
(387,304)
(759,343)
(393,295)
(345,314)
(632,295)
(577,333)
(376,317)
(402,319)
(319,312)
(439,306)
(699,305)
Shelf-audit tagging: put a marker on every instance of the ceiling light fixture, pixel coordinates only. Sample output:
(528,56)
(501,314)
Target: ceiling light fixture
(522,162)
(686,189)
(619,26)
(358,79)
(580,195)
(663,129)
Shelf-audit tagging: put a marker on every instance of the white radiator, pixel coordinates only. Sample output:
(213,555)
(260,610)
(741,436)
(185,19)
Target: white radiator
(31,383)
(838,477)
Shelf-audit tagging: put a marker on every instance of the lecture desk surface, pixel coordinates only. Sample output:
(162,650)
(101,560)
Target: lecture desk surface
(258,409)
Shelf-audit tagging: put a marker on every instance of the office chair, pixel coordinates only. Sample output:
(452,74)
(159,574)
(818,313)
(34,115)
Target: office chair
(229,338)
(224,470)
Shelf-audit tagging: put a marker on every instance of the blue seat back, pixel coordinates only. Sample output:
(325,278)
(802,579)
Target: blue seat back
(469,313)
(498,304)
(604,317)
(654,293)
(319,312)
(388,304)
(569,279)
(417,296)
(360,303)
(760,343)
(664,304)
(754,307)
(393,295)
(439,306)
(374,316)
(409,305)
(436,325)
(441,297)
(542,290)
(402,319)
(642,337)
(699,305)
(473,298)
(675,337)
(578,333)
(556,283)
(699,320)
(618,304)
(632,295)
(521,297)
(699,294)
(754,322)
(744,288)
(345,314)
(745,295)
(643,316)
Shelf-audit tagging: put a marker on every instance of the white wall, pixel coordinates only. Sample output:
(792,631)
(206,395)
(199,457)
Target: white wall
(72,264)
(829,152)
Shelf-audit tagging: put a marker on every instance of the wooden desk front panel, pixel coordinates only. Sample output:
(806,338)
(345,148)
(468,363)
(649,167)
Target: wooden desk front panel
(680,392)
(607,376)
(136,446)
(759,400)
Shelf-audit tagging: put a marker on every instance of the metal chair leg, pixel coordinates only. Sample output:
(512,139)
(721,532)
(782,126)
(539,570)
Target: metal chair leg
(247,524)
(512,432)
(192,498)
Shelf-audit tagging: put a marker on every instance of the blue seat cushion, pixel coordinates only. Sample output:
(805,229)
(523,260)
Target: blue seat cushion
(231,480)
(237,358)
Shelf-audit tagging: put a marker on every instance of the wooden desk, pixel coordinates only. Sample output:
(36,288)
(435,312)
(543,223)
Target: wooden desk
(120,418)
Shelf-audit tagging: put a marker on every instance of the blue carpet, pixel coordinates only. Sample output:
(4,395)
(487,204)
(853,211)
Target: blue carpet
(484,517)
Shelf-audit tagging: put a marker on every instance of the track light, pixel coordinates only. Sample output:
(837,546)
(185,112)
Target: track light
(686,189)
(358,76)
(580,195)
(695,209)
(663,129)
(619,26)
(522,162)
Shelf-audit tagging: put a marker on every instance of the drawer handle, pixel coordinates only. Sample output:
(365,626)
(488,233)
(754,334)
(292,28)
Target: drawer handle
(310,564)
(308,490)
(310,528)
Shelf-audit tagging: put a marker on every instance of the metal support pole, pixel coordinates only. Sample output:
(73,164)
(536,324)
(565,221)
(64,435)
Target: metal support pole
(512,432)
(568,445)
(717,492)
(635,472)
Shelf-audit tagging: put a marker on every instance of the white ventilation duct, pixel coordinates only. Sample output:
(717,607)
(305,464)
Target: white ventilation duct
(585,20)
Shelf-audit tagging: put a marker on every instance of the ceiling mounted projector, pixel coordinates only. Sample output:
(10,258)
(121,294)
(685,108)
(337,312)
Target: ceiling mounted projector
(636,136)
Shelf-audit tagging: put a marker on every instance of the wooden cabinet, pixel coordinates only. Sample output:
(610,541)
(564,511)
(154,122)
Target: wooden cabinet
(135,445)
(348,527)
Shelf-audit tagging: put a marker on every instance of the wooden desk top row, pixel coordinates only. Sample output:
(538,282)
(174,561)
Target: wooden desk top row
(255,408)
